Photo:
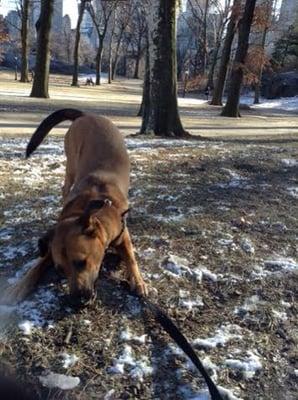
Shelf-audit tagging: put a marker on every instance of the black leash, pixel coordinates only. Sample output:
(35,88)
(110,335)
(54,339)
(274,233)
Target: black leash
(168,325)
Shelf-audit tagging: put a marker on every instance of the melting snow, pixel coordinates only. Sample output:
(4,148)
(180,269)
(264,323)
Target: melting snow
(247,246)
(222,335)
(250,304)
(284,264)
(289,162)
(248,366)
(60,381)
(126,336)
(293,191)
(69,360)
(186,302)
(26,327)
(176,266)
(138,369)
(189,394)
(236,180)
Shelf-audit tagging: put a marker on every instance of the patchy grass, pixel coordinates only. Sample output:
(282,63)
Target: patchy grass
(214,225)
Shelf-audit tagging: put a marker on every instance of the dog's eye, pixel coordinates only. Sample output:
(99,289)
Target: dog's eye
(79,264)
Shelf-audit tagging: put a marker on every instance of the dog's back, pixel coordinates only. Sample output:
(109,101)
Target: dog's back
(93,146)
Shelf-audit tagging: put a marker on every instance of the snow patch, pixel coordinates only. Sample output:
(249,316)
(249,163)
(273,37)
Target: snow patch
(186,302)
(289,162)
(69,360)
(247,246)
(222,335)
(188,393)
(293,191)
(176,266)
(250,304)
(64,382)
(281,264)
(137,369)
(248,366)
(26,327)
(235,180)
(126,336)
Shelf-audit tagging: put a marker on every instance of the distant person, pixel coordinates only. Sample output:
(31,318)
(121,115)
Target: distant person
(207,91)
(32,75)
(89,81)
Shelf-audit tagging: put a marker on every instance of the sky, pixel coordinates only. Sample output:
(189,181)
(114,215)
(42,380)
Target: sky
(70,7)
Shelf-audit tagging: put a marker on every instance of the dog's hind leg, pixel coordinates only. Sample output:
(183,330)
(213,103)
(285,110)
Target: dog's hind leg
(125,250)
(18,292)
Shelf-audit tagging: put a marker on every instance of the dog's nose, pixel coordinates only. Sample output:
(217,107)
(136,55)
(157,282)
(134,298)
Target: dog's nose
(83,298)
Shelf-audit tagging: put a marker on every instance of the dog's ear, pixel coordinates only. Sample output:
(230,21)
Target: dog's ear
(92,208)
(44,242)
(125,214)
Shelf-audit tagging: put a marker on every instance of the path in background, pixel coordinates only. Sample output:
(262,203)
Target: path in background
(20,114)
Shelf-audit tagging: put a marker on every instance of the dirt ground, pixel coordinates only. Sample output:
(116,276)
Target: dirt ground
(214,224)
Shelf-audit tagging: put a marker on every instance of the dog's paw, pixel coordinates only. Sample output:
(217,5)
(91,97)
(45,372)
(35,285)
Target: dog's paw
(141,288)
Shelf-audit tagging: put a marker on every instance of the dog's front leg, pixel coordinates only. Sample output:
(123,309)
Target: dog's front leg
(125,250)
(18,292)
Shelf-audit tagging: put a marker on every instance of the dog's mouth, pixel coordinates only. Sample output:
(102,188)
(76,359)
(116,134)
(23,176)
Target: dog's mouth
(83,298)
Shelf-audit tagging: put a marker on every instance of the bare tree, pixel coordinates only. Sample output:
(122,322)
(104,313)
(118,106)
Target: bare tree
(110,49)
(40,86)
(101,15)
(138,29)
(160,111)
(219,22)
(24,7)
(231,109)
(123,17)
(226,52)
(77,43)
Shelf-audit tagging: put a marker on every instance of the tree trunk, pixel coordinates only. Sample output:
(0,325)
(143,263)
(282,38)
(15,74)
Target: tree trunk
(145,105)
(210,83)
(111,49)
(24,40)
(98,62)
(204,59)
(225,56)
(231,109)
(161,115)
(110,65)
(258,84)
(75,76)
(115,61)
(138,57)
(137,64)
(40,86)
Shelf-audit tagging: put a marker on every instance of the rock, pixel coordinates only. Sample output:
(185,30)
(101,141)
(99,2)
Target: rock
(59,381)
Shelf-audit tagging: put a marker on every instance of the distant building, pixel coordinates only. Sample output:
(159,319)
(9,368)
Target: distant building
(13,23)
(288,13)
(57,19)
(87,29)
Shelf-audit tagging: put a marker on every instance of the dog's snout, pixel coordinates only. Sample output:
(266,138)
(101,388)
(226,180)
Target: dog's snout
(83,297)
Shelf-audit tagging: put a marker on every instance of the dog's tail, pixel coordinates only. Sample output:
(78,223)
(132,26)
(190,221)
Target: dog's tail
(48,123)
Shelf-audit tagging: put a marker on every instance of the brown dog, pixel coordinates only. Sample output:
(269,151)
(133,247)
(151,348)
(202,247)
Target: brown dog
(94,207)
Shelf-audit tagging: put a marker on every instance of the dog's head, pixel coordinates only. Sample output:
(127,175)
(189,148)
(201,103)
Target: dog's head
(78,245)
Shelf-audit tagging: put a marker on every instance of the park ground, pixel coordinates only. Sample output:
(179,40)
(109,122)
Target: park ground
(214,224)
